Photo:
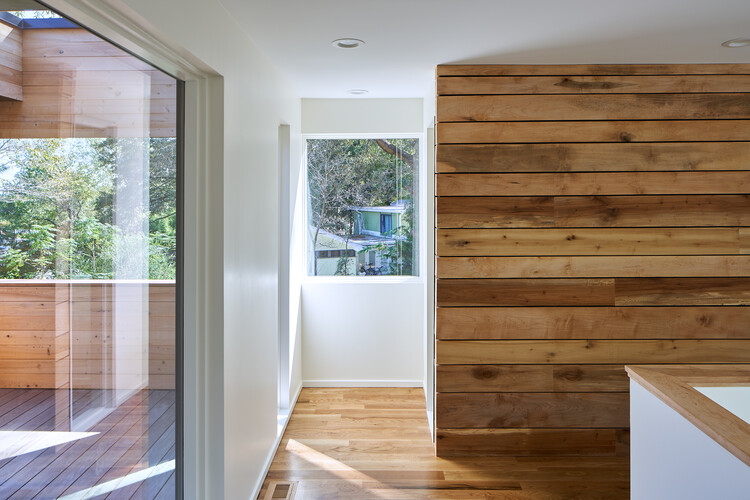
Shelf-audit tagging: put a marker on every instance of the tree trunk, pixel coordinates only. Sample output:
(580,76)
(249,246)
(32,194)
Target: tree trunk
(394,150)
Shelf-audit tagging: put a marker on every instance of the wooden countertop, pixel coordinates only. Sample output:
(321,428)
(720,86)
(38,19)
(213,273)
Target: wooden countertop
(675,385)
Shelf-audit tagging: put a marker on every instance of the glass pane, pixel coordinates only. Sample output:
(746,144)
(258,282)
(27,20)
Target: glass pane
(361,210)
(88,238)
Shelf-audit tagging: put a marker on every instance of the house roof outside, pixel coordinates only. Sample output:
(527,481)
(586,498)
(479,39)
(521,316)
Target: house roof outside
(356,242)
(397,207)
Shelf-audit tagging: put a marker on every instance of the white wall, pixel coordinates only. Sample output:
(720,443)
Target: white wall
(364,331)
(671,459)
(362,334)
(250,100)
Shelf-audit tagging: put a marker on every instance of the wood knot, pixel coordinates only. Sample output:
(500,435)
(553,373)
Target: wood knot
(705,320)
(626,137)
(484,373)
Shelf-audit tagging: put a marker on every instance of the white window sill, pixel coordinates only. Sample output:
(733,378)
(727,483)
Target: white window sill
(370,280)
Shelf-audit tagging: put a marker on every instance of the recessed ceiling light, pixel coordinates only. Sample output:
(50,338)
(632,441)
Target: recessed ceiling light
(347,43)
(737,42)
(357,91)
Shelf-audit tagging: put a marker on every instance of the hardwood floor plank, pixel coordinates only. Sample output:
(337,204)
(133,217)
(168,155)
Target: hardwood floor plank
(362,459)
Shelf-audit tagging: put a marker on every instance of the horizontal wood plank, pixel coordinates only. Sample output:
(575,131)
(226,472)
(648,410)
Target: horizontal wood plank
(484,85)
(522,442)
(628,351)
(593,184)
(595,266)
(592,157)
(593,131)
(30,293)
(599,241)
(592,211)
(572,410)
(525,292)
(699,322)
(11,83)
(531,378)
(512,211)
(731,291)
(682,291)
(591,69)
(744,233)
(503,108)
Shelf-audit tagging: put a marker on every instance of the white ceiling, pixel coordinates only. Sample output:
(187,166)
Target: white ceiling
(406,39)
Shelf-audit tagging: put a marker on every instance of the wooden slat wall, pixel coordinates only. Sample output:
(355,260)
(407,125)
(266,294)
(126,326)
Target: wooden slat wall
(77,85)
(36,321)
(11,76)
(34,336)
(587,217)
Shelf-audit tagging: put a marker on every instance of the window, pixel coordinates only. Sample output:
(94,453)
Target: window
(361,210)
(385,223)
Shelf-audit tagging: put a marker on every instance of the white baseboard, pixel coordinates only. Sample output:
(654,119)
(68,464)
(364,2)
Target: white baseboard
(361,383)
(275,447)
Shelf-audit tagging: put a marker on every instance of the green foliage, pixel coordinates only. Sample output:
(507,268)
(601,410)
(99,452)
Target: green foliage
(57,208)
(399,256)
(344,267)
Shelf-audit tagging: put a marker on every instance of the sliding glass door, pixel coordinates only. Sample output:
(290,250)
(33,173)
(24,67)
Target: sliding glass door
(89,238)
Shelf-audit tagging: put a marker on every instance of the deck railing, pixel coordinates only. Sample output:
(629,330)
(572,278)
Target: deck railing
(56,334)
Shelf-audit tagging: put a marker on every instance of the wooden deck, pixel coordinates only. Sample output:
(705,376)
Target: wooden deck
(375,444)
(137,435)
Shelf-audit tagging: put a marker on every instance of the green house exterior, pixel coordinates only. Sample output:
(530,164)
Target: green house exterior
(378,221)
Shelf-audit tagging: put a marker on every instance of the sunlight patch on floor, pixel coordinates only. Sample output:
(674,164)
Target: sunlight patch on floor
(334,467)
(14,443)
(121,482)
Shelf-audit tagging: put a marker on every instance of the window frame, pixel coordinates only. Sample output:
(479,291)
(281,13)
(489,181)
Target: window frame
(420,204)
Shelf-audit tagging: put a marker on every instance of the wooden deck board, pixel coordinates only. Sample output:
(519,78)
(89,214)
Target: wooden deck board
(136,435)
(381,454)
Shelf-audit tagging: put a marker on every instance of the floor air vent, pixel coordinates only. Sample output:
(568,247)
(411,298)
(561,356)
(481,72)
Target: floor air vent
(281,490)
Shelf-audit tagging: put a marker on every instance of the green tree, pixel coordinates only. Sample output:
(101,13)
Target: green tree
(57,202)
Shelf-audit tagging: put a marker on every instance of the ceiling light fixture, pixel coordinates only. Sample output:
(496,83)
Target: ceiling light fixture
(737,42)
(357,91)
(347,43)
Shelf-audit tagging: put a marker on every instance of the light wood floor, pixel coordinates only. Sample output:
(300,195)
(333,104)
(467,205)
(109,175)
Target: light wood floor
(375,444)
